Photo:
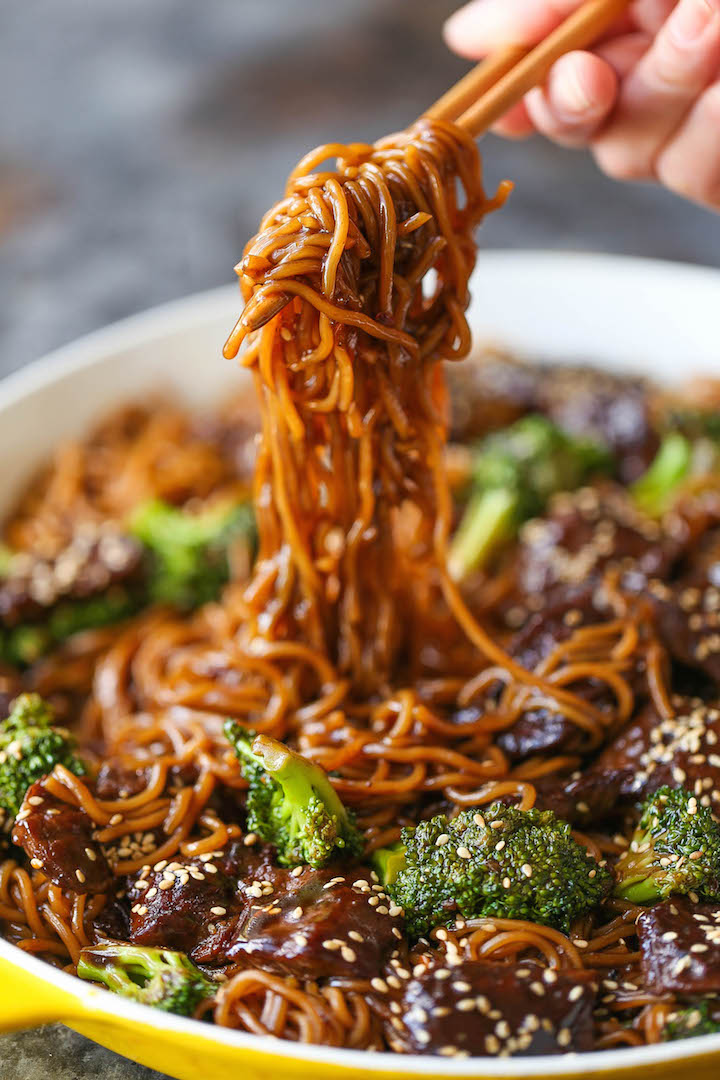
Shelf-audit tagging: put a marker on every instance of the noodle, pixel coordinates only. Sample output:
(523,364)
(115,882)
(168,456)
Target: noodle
(348,640)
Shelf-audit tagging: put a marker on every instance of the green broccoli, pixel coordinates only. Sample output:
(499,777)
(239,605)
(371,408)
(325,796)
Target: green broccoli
(158,977)
(22,645)
(30,747)
(291,803)
(188,553)
(691,1021)
(388,862)
(502,862)
(655,490)
(674,849)
(514,474)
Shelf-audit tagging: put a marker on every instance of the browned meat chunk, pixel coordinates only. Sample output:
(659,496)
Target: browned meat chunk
(116,780)
(612,410)
(542,730)
(94,561)
(652,752)
(648,754)
(477,1009)
(583,797)
(585,533)
(173,902)
(490,394)
(680,947)
(58,839)
(318,924)
(688,617)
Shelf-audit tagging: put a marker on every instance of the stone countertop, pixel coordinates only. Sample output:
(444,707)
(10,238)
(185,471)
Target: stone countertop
(141,142)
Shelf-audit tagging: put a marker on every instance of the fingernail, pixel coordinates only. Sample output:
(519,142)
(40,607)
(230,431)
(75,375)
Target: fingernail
(691,19)
(574,95)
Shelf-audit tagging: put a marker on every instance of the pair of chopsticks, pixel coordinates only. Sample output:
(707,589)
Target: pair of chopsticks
(492,87)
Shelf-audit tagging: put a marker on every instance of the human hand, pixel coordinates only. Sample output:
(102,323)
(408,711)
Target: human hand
(646,100)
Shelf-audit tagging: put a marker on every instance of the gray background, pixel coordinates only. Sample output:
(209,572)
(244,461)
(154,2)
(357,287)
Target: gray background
(141,141)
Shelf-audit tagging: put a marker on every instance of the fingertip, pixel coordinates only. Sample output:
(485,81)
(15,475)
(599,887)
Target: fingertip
(582,88)
(577,99)
(459,31)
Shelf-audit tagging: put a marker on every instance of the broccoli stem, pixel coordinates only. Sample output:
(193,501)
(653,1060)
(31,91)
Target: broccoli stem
(488,522)
(655,490)
(389,862)
(300,784)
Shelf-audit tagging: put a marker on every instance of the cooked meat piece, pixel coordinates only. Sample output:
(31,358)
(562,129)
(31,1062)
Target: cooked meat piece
(93,562)
(173,902)
(652,752)
(541,730)
(318,924)
(680,947)
(582,798)
(688,617)
(613,410)
(585,533)
(117,780)
(489,394)
(112,923)
(58,839)
(476,1009)
(648,754)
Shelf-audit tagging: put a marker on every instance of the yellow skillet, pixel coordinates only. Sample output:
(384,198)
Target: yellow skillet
(33,993)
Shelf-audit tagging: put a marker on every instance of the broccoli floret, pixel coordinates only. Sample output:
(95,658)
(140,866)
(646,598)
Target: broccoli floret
(159,977)
(515,472)
(674,849)
(30,748)
(23,645)
(188,553)
(655,490)
(691,1021)
(291,803)
(501,862)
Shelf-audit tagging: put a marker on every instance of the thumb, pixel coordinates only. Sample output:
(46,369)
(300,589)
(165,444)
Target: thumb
(484,25)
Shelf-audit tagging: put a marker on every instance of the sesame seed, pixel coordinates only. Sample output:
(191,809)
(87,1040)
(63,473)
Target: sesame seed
(80,876)
(463,853)
(527,869)
(37,864)
(36,800)
(349,954)
(218,911)
(380,985)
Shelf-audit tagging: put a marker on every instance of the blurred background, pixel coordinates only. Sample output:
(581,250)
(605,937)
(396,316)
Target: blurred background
(140,143)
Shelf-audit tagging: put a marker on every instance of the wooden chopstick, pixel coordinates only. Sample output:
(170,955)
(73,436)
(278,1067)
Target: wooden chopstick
(477,82)
(501,83)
